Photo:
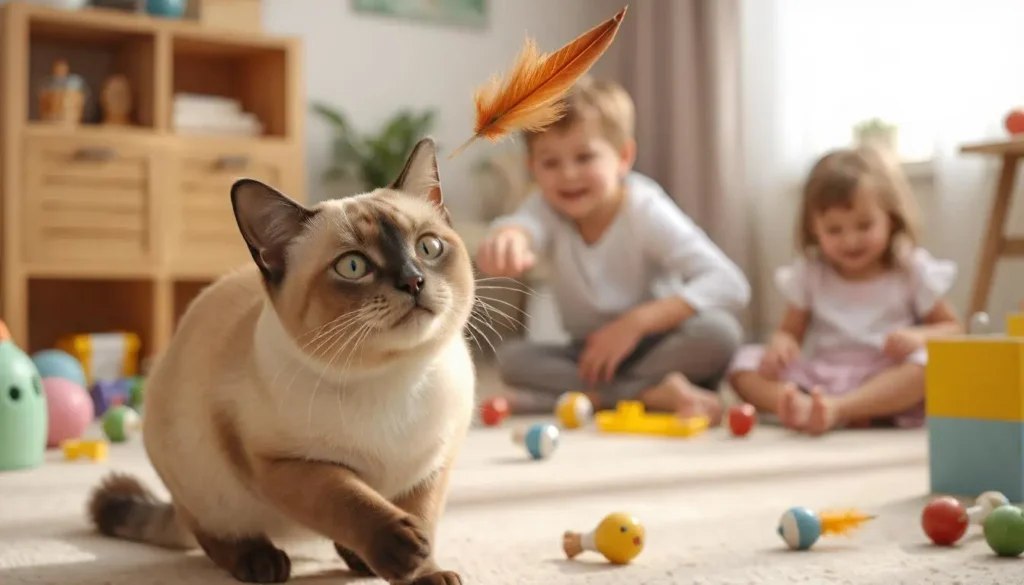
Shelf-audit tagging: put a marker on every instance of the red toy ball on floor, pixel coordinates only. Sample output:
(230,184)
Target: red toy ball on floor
(742,419)
(944,520)
(494,411)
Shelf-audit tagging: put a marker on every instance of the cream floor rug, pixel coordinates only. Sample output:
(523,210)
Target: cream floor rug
(710,506)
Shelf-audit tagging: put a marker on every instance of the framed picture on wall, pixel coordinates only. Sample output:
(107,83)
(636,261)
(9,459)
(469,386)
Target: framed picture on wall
(471,13)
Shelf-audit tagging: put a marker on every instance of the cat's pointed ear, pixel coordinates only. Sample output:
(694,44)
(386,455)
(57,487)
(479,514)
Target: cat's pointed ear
(420,177)
(269,220)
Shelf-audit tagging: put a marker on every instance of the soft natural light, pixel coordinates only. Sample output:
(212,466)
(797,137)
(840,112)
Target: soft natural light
(941,70)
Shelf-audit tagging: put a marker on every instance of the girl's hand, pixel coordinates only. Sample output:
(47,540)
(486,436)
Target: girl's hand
(900,344)
(782,351)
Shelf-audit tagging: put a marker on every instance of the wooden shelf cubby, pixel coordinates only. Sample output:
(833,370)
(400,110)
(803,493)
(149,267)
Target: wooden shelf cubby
(118,227)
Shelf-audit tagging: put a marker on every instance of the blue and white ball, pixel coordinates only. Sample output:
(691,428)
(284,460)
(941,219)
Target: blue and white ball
(540,440)
(800,528)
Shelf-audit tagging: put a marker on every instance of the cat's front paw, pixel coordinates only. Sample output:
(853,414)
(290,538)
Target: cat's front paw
(439,578)
(398,549)
(262,563)
(355,564)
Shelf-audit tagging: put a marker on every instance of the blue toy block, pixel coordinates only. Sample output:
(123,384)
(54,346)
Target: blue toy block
(107,393)
(968,456)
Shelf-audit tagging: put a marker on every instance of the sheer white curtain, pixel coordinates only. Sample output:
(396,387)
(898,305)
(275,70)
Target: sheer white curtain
(945,72)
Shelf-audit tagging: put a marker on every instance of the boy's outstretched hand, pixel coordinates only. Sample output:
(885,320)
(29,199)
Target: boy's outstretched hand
(507,253)
(606,348)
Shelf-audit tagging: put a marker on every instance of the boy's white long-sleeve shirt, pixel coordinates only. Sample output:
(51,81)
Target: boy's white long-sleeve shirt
(651,250)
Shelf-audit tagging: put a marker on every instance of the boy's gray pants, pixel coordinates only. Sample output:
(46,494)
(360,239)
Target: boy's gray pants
(700,349)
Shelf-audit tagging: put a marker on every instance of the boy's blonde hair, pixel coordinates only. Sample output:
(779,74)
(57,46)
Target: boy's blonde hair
(836,178)
(602,101)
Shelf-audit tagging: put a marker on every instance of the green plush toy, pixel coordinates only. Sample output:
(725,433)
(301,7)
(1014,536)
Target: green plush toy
(24,419)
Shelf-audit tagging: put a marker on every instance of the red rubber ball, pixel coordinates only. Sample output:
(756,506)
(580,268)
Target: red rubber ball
(494,411)
(742,419)
(944,520)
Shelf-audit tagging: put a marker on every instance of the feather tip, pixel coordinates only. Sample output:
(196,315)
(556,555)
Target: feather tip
(528,98)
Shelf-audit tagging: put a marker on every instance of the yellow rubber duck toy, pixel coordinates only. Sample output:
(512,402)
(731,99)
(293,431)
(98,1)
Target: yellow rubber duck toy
(619,538)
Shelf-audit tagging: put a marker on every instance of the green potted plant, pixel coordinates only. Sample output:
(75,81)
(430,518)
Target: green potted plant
(372,160)
(877,132)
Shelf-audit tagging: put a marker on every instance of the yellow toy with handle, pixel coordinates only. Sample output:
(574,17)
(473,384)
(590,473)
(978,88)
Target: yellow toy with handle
(619,538)
(630,417)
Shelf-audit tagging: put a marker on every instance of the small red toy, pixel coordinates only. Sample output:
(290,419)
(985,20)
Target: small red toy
(1014,121)
(944,520)
(742,419)
(494,411)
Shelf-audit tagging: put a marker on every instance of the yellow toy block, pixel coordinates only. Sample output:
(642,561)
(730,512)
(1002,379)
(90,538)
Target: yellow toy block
(629,417)
(104,355)
(94,449)
(1015,325)
(976,376)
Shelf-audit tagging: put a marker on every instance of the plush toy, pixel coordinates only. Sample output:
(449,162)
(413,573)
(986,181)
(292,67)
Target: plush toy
(23,412)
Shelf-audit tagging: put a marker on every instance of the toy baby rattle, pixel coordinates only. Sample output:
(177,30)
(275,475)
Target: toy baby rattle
(619,538)
(800,527)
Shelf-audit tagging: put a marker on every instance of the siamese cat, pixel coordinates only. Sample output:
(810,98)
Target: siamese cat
(323,391)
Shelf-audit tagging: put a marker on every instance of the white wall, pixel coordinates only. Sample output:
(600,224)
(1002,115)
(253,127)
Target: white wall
(372,66)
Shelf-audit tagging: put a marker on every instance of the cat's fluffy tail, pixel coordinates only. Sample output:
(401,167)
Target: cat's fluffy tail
(124,508)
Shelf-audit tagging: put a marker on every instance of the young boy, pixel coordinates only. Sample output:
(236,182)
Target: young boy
(643,292)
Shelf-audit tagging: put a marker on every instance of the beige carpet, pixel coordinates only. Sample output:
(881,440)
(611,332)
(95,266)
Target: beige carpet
(710,506)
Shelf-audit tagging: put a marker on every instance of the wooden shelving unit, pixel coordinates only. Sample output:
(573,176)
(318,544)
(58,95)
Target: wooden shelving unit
(118,227)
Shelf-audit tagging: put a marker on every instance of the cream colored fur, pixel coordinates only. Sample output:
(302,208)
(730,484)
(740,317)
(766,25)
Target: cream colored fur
(398,423)
(395,410)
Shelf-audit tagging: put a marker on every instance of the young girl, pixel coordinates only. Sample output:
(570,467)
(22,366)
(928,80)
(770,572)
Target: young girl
(861,302)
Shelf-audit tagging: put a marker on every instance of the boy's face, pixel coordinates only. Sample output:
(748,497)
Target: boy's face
(577,169)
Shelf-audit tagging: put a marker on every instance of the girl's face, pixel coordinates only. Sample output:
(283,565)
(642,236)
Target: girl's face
(854,239)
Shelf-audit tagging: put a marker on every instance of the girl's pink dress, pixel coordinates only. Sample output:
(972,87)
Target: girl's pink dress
(850,320)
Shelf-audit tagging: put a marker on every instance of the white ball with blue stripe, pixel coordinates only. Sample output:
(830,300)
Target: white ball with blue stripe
(541,440)
(800,528)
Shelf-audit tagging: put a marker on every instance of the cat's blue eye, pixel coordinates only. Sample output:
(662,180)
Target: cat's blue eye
(352,266)
(429,247)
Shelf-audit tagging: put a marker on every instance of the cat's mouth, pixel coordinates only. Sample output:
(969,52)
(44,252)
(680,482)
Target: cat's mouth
(417,310)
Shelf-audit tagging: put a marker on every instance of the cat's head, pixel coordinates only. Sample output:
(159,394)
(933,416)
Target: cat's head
(368,277)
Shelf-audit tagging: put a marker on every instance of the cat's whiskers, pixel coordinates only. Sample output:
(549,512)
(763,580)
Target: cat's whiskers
(504,302)
(524,288)
(357,338)
(370,324)
(477,302)
(358,343)
(301,365)
(476,319)
(473,326)
(318,330)
(471,335)
(488,308)
(481,319)
(364,323)
(347,321)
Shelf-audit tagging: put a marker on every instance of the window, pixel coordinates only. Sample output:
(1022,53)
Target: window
(943,71)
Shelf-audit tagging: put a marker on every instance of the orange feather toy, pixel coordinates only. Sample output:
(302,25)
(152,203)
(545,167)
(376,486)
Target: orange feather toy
(529,98)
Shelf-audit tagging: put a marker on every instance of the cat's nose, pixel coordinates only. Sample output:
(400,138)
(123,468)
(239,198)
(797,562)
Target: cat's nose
(410,283)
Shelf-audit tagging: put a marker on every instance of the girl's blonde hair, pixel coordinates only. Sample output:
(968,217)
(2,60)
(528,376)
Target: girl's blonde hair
(836,178)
